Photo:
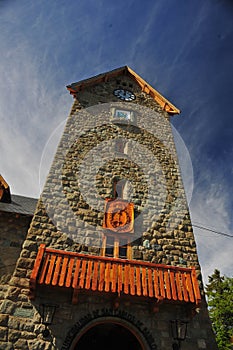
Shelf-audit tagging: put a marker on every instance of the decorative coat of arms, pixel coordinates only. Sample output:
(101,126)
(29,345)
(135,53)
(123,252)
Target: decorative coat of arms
(119,216)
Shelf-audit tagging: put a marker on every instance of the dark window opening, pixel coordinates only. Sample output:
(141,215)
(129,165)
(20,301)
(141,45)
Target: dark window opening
(123,252)
(109,250)
(118,188)
(117,247)
(123,249)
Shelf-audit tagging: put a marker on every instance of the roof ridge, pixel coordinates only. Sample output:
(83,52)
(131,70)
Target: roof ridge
(146,87)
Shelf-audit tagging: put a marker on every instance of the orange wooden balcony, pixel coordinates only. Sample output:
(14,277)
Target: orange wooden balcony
(64,269)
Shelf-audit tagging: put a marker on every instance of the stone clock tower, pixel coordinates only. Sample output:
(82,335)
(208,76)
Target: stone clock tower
(110,259)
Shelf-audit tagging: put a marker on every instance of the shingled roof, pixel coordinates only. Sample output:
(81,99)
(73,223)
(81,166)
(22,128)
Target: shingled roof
(19,205)
(125,70)
(15,203)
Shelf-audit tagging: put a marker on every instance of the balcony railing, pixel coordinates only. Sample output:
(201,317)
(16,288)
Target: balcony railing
(64,269)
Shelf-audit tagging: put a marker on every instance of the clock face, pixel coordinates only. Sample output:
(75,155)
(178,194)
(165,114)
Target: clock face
(124,95)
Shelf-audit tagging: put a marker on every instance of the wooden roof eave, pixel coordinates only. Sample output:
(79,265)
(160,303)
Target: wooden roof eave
(76,87)
(3,182)
(5,194)
(147,88)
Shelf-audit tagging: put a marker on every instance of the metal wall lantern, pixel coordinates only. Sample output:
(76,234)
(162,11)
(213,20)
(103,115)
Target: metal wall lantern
(179,332)
(47,313)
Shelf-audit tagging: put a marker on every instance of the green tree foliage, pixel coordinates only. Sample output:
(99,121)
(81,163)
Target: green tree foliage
(219,292)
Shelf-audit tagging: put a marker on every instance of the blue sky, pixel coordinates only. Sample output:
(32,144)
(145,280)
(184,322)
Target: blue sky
(182,48)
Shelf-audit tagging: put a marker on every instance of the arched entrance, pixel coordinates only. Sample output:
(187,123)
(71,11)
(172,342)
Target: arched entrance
(107,336)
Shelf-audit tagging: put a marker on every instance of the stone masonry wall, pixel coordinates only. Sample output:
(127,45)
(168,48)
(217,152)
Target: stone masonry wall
(168,236)
(13,228)
(70,213)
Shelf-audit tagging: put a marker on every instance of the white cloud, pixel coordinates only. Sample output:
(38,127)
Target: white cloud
(31,106)
(210,208)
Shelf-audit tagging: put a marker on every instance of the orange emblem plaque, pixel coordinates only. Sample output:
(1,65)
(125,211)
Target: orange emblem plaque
(119,215)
